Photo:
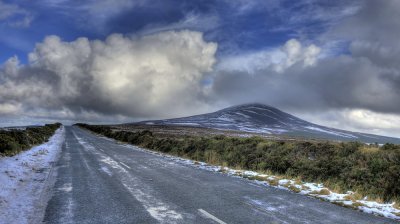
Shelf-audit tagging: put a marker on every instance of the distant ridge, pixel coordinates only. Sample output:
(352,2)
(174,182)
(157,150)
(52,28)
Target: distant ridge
(260,118)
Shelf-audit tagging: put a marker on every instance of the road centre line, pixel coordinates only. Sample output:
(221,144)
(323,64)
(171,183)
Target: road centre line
(125,165)
(208,215)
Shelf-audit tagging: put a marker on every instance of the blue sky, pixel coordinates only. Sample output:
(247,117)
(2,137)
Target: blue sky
(330,62)
(236,25)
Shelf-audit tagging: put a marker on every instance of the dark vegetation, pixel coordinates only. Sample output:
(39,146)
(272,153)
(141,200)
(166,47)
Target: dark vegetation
(14,141)
(369,170)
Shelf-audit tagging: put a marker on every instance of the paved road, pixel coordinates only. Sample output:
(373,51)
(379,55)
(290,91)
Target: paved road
(100,181)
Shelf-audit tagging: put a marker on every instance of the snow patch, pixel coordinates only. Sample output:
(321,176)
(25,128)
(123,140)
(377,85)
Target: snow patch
(23,178)
(106,170)
(157,209)
(66,187)
(185,123)
(244,115)
(331,132)
(114,164)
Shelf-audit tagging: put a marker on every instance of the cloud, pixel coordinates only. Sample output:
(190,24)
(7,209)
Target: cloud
(275,59)
(192,21)
(361,120)
(358,86)
(15,16)
(347,85)
(335,62)
(9,108)
(339,82)
(375,21)
(154,75)
(307,19)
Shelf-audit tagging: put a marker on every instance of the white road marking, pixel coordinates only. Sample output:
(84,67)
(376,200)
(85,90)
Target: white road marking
(208,215)
(125,165)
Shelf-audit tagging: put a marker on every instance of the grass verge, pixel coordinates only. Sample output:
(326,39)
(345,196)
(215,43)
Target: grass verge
(14,141)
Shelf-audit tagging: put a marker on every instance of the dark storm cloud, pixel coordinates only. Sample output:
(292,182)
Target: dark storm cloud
(376,21)
(343,82)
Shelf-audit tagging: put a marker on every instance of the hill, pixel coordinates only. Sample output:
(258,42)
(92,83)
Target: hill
(260,118)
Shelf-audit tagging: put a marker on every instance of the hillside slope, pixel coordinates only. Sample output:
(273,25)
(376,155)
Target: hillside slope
(259,118)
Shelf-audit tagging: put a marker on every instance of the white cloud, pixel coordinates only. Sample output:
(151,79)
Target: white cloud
(296,53)
(361,120)
(278,59)
(15,16)
(154,75)
(367,119)
(193,21)
(9,108)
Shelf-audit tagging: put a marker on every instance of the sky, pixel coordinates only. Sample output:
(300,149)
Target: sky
(334,63)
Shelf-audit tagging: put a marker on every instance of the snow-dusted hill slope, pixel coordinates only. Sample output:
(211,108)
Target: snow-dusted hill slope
(259,118)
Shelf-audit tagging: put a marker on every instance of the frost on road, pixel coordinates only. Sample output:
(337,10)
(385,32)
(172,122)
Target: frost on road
(23,178)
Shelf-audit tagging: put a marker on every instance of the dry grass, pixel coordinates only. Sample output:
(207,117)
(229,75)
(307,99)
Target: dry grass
(396,205)
(273,182)
(323,191)
(354,197)
(357,204)
(211,157)
(222,170)
(259,178)
(357,196)
(377,199)
(294,188)
(334,186)
(287,184)
(267,172)
(298,181)
(349,198)
(369,149)
(304,187)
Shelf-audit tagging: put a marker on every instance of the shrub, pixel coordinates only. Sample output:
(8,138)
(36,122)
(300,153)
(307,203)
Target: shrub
(15,141)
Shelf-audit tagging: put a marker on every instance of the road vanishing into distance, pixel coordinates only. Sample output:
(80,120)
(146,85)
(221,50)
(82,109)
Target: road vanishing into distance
(102,181)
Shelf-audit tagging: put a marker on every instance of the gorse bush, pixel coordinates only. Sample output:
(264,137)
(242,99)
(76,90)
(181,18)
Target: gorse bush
(15,141)
(368,170)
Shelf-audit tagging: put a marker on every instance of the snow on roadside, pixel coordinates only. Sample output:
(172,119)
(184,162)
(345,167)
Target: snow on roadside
(23,178)
(317,190)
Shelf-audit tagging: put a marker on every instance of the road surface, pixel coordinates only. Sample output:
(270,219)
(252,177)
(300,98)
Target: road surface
(101,181)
